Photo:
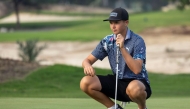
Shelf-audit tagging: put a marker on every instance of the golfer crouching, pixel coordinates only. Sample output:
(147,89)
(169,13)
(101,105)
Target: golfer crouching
(133,84)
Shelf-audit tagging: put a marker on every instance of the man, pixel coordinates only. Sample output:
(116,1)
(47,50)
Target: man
(133,83)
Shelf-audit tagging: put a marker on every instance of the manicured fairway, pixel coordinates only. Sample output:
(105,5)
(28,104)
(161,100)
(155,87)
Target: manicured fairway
(72,103)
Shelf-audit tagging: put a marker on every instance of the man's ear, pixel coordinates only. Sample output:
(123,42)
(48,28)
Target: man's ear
(126,22)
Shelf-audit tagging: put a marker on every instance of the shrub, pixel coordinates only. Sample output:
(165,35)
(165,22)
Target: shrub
(29,50)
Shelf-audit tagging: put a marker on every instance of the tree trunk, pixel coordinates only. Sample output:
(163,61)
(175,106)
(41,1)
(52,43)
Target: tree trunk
(16,8)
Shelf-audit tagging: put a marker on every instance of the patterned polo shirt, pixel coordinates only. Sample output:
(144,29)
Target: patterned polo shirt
(133,43)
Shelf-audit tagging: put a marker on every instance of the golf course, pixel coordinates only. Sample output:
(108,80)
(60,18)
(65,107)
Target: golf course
(56,86)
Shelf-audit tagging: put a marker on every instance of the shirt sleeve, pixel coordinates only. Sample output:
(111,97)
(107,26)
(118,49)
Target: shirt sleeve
(99,52)
(140,50)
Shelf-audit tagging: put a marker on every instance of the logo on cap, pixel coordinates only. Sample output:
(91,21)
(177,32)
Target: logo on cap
(114,14)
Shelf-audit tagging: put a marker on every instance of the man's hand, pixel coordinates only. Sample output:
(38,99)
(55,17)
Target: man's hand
(89,71)
(87,65)
(120,40)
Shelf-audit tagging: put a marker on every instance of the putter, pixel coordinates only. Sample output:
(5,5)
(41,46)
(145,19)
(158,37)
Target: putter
(117,63)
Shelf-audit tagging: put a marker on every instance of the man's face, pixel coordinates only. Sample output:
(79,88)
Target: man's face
(118,27)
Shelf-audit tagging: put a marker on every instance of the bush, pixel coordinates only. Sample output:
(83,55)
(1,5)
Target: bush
(29,49)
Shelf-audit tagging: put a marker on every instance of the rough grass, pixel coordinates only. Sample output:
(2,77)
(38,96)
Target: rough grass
(62,81)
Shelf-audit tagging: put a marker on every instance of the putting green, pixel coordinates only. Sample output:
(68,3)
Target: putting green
(74,103)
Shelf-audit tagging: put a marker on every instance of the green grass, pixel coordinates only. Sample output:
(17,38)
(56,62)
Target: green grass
(71,30)
(94,28)
(64,103)
(61,81)
(139,22)
(67,13)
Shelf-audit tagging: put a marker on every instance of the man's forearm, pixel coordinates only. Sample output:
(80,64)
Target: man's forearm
(86,62)
(133,64)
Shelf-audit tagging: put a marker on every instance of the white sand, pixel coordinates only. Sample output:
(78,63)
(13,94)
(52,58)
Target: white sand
(28,17)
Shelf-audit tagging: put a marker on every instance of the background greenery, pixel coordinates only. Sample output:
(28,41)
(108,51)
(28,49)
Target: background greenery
(92,28)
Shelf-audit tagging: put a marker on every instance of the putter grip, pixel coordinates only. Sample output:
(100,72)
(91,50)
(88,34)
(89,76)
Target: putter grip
(118,45)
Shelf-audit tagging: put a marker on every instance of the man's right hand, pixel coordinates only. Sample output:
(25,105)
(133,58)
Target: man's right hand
(87,65)
(89,71)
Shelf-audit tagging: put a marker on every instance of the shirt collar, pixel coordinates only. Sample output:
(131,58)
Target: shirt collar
(127,35)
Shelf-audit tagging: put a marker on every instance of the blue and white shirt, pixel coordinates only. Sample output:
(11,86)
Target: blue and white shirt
(134,44)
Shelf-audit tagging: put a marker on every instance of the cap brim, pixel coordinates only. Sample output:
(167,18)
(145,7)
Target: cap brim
(111,19)
(106,20)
